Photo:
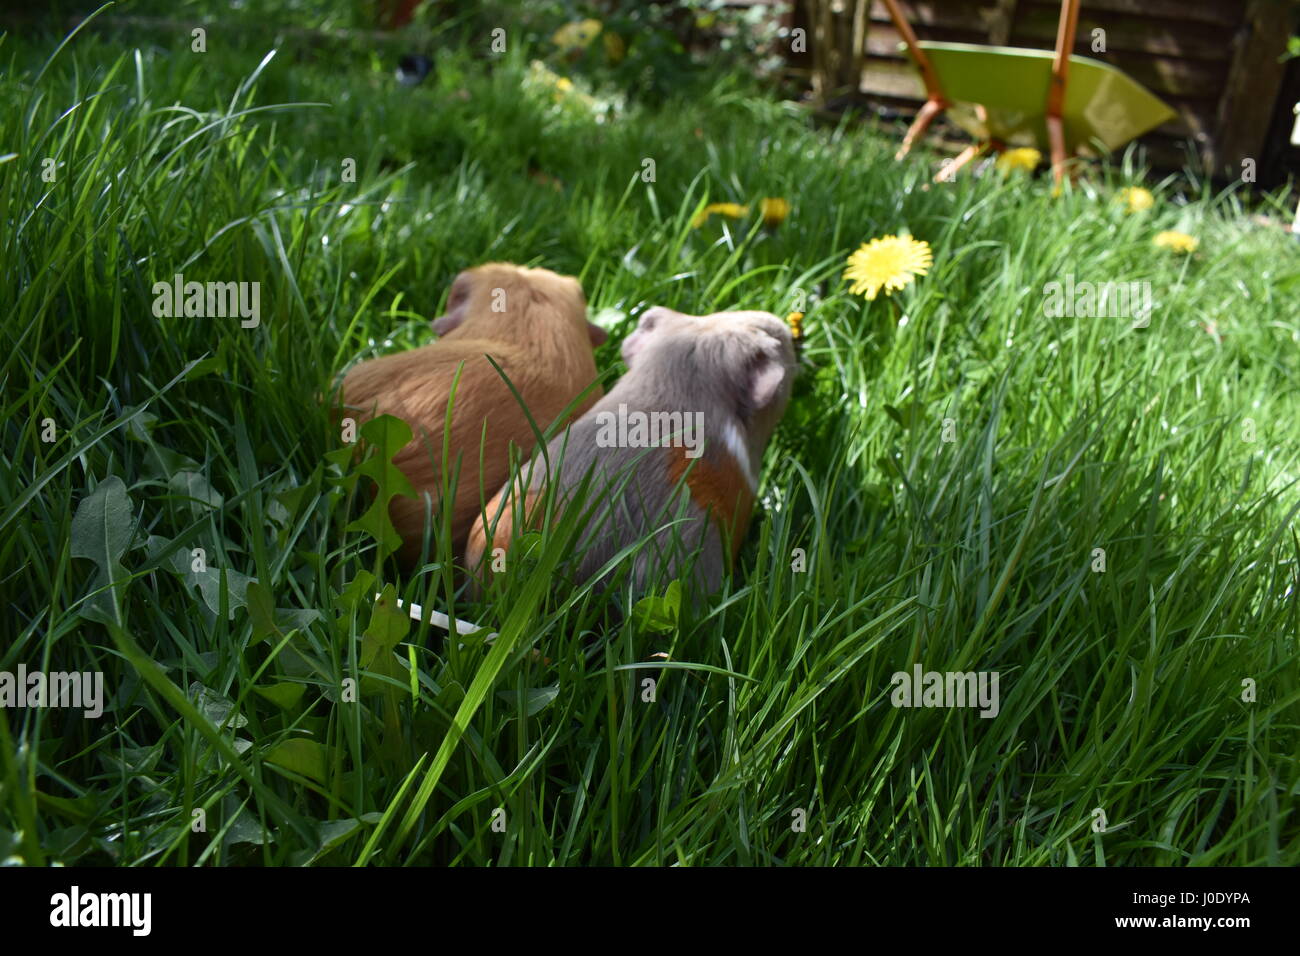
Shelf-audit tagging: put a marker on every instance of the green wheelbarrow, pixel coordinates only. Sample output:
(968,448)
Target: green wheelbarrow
(1008,96)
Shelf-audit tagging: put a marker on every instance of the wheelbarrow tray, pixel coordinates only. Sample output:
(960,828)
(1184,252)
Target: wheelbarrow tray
(1102,104)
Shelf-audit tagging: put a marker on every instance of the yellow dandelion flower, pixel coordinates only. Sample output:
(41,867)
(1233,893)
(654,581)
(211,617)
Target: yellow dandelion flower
(773,211)
(577,35)
(730,209)
(1136,199)
(888,263)
(1176,241)
(795,319)
(1026,158)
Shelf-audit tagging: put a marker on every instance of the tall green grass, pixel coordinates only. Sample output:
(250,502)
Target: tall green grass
(1121,690)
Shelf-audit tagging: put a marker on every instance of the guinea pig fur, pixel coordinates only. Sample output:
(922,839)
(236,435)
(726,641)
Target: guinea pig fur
(533,323)
(673,450)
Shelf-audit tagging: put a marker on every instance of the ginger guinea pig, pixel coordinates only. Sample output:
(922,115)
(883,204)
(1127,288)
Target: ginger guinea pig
(674,449)
(533,323)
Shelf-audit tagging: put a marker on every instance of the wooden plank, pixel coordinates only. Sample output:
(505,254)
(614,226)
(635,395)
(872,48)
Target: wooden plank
(1225,13)
(1036,27)
(983,14)
(922,14)
(1165,76)
(892,78)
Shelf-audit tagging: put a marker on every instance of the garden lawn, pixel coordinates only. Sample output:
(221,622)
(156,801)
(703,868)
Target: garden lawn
(937,495)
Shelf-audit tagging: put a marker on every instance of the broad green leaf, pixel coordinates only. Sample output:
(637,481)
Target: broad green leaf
(342,457)
(102,529)
(659,614)
(377,523)
(182,562)
(160,460)
(269,620)
(285,694)
(194,486)
(388,625)
(245,827)
(387,435)
(295,618)
(261,610)
(208,366)
(334,832)
(358,590)
(139,427)
(215,707)
(209,582)
(305,757)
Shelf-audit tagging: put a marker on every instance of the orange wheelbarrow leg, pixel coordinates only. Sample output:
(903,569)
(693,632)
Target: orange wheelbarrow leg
(924,117)
(935,102)
(1056,93)
(1056,137)
(948,172)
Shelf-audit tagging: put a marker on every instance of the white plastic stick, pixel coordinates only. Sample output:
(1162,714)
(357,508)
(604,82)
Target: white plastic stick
(438,619)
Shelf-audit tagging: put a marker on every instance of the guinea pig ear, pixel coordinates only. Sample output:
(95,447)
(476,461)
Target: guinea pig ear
(637,338)
(767,374)
(448,321)
(597,335)
(457,306)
